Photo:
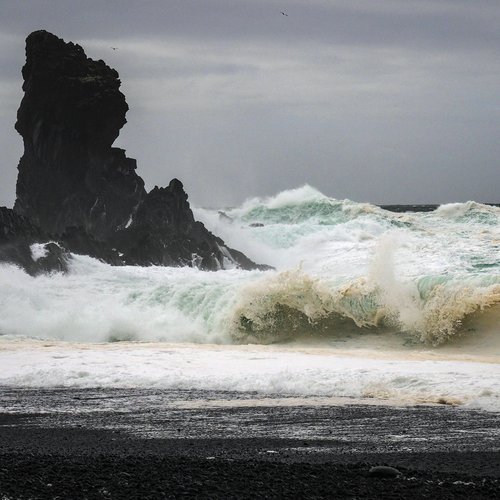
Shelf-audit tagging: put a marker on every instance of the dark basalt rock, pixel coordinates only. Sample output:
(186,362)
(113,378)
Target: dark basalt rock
(78,241)
(384,472)
(26,245)
(72,183)
(163,231)
(71,113)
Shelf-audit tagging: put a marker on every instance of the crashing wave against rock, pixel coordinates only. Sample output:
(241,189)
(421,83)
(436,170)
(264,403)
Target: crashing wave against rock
(76,189)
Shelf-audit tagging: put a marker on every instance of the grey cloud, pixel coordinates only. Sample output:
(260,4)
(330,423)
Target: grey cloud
(381,101)
(449,22)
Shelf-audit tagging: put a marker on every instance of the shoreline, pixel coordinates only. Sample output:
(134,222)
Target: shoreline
(139,443)
(316,375)
(369,346)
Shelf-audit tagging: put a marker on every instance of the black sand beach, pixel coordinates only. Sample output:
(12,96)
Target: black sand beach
(165,444)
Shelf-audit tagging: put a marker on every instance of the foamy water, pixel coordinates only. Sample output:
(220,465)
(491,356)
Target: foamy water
(400,306)
(265,370)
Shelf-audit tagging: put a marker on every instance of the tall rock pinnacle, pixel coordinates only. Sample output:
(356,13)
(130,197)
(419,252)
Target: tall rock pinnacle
(71,113)
(81,191)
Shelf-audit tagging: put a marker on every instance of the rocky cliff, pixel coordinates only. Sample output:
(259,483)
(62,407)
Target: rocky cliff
(74,185)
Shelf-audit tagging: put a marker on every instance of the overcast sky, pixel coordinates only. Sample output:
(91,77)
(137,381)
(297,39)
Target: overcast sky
(385,101)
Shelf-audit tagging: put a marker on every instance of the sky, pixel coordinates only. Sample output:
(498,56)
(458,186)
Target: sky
(380,101)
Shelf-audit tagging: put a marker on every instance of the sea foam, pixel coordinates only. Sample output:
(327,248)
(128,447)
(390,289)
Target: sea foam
(341,268)
(264,371)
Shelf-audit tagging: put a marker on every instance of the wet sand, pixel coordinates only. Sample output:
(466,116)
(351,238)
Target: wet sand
(68,443)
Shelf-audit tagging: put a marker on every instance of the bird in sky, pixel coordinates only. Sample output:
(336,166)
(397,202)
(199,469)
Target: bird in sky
(284,13)
(114,48)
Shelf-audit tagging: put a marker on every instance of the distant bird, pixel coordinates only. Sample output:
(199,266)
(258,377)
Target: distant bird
(114,48)
(284,13)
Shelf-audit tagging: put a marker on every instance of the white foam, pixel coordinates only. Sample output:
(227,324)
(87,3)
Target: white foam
(96,302)
(423,274)
(348,274)
(289,197)
(38,251)
(457,210)
(265,370)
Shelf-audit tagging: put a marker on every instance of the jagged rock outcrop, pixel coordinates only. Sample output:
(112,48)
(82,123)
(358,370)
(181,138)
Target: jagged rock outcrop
(163,230)
(73,184)
(27,245)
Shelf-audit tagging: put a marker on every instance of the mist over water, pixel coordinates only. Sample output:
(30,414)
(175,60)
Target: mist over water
(342,264)
(340,267)
(418,294)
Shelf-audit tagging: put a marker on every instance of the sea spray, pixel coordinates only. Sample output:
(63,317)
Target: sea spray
(294,305)
(96,302)
(400,300)
(342,268)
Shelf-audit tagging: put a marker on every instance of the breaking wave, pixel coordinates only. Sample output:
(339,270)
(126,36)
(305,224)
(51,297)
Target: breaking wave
(292,304)
(342,268)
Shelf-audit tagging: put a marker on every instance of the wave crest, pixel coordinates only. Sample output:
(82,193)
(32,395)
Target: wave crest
(470,211)
(292,305)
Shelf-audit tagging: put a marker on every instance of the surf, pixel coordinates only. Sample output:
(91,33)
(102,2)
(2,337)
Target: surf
(341,269)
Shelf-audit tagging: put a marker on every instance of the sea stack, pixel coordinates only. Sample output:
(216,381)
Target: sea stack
(74,185)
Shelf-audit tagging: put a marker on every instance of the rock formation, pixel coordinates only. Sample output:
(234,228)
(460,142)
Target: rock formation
(71,113)
(27,245)
(75,186)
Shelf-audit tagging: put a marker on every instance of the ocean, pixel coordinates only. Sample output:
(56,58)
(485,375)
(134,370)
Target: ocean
(363,305)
